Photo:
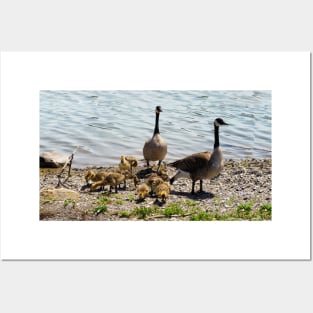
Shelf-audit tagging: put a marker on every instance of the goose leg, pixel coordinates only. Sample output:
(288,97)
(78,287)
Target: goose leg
(201,185)
(115,188)
(193,187)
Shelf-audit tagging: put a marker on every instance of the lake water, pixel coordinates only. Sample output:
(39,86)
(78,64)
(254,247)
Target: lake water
(107,124)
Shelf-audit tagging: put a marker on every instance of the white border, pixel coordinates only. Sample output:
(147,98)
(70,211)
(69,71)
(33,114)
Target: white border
(23,74)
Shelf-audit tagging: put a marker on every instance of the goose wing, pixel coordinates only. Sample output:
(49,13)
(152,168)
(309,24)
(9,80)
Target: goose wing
(192,162)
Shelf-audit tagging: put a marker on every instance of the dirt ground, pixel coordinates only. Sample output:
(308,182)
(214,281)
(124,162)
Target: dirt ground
(243,184)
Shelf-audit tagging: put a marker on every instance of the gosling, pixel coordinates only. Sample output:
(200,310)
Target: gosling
(94,176)
(133,161)
(124,164)
(163,190)
(130,175)
(153,181)
(112,179)
(143,191)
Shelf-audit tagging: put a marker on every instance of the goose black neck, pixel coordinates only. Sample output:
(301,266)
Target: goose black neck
(216,137)
(156,128)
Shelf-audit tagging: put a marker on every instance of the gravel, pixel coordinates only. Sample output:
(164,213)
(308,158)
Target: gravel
(241,181)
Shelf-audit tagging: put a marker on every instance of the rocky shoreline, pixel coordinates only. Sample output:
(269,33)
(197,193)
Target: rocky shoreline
(243,191)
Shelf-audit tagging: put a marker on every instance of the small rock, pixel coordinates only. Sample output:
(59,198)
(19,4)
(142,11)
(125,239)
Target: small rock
(52,159)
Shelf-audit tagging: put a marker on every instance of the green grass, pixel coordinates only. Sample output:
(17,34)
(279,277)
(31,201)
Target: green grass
(143,212)
(202,216)
(242,212)
(266,208)
(104,200)
(126,214)
(173,209)
(131,198)
(67,202)
(102,205)
(119,202)
(100,209)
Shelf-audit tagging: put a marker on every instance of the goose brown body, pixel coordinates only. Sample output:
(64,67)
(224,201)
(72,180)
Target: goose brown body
(155,149)
(203,165)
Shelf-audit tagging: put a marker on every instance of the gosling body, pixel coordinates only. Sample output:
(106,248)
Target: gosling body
(143,191)
(112,179)
(163,190)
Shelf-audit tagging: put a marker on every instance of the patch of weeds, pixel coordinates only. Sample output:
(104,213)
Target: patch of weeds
(116,195)
(266,208)
(173,209)
(126,214)
(244,208)
(142,212)
(67,202)
(131,197)
(119,202)
(202,216)
(190,203)
(100,209)
(104,200)
(266,211)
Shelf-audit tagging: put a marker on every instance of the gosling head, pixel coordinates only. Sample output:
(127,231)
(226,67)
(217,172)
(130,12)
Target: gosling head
(158,109)
(218,122)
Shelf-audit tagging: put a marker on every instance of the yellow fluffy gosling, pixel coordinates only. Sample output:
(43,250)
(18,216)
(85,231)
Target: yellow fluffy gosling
(133,161)
(112,179)
(94,176)
(124,164)
(143,191)
(163,190)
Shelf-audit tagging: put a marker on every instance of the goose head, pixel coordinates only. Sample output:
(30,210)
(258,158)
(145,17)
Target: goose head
(158,109)
(218,122)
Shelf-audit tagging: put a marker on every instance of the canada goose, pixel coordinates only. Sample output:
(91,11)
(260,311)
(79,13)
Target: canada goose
(201,165)
(112,179)
(133,161)
(124,164)
(163,173)
(143,191)
(155,149)
(94,176)
(163,190)
(130,175)
(153,181)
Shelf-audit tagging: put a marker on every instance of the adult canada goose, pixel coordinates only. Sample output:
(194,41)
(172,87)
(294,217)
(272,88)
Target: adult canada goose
(155,149)
(201,165)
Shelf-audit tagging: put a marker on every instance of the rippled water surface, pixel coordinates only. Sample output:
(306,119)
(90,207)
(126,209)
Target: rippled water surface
(107,124)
